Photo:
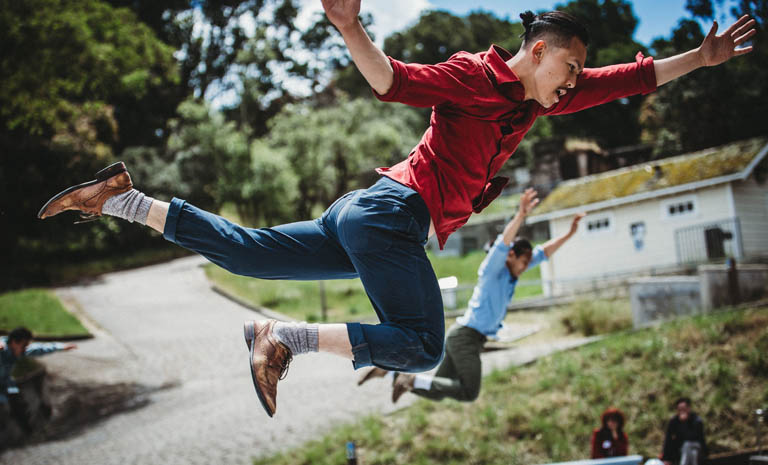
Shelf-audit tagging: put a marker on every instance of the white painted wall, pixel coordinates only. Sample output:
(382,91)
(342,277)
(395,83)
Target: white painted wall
(751,203)
(606,253)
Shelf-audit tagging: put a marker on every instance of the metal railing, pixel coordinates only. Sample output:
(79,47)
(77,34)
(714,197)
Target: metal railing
(714,240)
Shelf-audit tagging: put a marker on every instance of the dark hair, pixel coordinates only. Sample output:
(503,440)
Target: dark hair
(20,334)
(615,414)
(521,246)
(682,399)
(562,27)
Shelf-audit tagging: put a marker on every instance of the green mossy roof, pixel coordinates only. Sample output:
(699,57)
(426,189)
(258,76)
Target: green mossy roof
(675,171)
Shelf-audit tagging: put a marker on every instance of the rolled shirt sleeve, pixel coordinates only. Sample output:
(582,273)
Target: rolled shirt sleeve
(537,257)
(596,86)
(453,81)
(496,259)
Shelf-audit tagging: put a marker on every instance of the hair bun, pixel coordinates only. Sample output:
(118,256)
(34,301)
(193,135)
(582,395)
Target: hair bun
(528,18)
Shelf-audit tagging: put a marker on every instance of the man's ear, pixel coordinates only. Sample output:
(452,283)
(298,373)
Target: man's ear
(538,50)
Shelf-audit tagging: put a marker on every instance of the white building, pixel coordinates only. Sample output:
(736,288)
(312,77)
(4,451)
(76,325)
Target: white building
(656,217)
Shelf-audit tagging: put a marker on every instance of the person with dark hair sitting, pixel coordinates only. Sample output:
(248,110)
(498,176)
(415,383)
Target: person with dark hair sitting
(16,345)
(482,104)
(459,374)
(610,440)
(684,443)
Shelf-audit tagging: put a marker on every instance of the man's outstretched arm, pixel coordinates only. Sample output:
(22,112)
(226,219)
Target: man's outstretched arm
(369,59)
(714,50)
(527,201)
(551,246)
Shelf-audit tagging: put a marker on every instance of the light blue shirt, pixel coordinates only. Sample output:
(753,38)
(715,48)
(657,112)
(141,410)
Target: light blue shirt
(494,289)
(8,360)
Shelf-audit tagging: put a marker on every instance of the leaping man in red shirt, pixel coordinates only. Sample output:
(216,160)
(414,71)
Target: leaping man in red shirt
(482,106)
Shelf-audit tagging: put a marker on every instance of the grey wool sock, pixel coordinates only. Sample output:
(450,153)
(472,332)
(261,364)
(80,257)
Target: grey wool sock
(132,206)
(299,337)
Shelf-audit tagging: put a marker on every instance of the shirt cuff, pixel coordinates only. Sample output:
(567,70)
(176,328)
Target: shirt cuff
(399,78)
(647,73)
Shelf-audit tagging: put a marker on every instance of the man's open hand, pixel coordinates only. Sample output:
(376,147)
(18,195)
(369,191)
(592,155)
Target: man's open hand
(575,223)
(717,49)
(342,13)
(528,200)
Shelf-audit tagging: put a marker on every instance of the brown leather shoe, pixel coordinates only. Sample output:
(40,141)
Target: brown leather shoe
(269,361)
(403,383)
(89,197)
(374,372)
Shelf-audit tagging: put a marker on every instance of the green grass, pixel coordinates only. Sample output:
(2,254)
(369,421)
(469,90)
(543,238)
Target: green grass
(346,299)
(41,312)
(590,317)
(546,412)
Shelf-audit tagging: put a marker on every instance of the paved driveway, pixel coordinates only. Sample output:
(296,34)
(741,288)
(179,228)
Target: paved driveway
(163,326)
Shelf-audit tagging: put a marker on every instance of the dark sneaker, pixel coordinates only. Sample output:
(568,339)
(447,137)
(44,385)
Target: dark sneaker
(89,197)
(374,372)
(403,383)
(269,360)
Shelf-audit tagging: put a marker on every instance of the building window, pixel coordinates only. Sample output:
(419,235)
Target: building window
(679,208)
(599,225)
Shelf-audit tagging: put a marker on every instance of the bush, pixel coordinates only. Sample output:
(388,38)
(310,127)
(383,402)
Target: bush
(591,317)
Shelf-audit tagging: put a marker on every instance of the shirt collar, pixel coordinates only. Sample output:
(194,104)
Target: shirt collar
(496,61)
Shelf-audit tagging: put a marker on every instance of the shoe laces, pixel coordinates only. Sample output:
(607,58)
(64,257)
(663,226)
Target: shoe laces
(284,369)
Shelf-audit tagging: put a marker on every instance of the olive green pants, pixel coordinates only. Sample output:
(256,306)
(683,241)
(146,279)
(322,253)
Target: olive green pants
(460,373)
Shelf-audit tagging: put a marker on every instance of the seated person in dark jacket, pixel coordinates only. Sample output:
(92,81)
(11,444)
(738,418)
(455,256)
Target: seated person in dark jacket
(684,443)
(610,440)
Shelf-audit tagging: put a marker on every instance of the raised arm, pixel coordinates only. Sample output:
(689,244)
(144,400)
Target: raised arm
(714,50)
(527,201)
(369,59)
(553,244)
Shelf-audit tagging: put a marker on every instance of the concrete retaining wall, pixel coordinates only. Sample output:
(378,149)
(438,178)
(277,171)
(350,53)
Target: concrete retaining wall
(752,284)
(662,298)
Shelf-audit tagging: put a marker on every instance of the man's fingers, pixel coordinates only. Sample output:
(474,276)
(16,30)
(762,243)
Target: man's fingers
(742,51)
(739,22)
(745,37)
(746,26)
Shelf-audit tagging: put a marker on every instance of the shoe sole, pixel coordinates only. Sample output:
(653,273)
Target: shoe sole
(103,175)
(249,333)
(248,326)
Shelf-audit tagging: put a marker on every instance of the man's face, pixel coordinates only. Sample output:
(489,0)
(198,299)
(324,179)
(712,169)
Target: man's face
(18,347)
(517,265)
(557,69)
(683,410)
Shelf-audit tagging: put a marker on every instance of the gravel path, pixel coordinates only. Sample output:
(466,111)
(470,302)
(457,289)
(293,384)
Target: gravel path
(162,326)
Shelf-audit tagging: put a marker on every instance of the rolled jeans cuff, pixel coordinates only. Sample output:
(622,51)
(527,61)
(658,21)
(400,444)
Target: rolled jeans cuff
(172,219)
(360,349)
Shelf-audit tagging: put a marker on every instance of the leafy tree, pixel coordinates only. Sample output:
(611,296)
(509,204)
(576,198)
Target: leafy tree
(716,105)
(70,71)
(434,38)
(333,150)
(611,24)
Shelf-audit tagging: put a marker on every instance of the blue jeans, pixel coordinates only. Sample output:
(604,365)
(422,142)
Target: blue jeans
(377,234)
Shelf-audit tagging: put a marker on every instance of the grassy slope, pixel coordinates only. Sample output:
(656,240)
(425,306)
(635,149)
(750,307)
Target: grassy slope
(40,311)
(546,412)
(346,299)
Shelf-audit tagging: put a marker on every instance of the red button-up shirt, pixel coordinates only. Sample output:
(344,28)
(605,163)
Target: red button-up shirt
(479,117)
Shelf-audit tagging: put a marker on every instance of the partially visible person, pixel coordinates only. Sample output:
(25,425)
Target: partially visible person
(460,373)
(16,346)
(610,440)
(684,443)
